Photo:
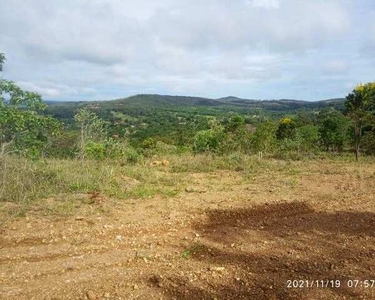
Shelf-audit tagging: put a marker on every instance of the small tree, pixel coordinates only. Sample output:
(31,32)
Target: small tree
(209,140)
(264,137)
(332,130)
(92,129)
(23,127)
(286,129)
(360,108)
(308,137)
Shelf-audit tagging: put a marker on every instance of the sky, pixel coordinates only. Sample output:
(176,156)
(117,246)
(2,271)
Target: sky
(255,49)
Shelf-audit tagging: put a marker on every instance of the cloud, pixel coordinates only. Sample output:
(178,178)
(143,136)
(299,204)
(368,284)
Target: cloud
(48,92)
(337,66)
(266,3)
(88,49)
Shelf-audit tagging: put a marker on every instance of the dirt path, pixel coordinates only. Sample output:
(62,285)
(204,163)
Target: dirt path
(227,238)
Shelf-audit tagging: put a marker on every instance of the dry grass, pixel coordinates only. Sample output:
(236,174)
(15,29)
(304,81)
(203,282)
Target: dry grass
(25,184)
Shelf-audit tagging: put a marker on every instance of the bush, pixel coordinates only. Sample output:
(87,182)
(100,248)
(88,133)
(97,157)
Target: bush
(308,137)
(368,142)
(95,150)
(132,156)
(264,137)
(163,148)
(207,141)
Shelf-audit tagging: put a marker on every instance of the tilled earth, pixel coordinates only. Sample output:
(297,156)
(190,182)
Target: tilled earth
(227,237)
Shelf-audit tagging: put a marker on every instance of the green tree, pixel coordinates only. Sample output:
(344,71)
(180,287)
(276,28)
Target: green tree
(23,126)
(236,138)
(360,108)
(209,140)
(286,129)
(308,137)
(333,130)
(264,137)
(92,130)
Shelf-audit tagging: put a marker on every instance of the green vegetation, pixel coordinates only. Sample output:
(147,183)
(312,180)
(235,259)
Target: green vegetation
(122,148)
(360,107)
(23,127)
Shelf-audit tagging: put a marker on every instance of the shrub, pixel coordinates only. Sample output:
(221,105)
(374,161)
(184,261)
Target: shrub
(132,156)
(286,129)
(368,142)
(207,141)
(264,137)
(95,150)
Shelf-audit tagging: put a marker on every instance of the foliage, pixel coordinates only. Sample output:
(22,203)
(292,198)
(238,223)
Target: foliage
(286,129)
(208,141)
(360,108)
(64,145)
(308,138)
(23,126)
(368,142)
(333,130)
(264,138)
(92,132)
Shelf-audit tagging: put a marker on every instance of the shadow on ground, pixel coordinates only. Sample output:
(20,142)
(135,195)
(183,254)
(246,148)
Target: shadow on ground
(252,253)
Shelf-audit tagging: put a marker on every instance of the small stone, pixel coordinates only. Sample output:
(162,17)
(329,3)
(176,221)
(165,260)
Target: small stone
(217,269)
(107,295)
(91,295)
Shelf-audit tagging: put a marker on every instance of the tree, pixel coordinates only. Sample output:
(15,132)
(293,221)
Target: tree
(332,129)
(308,137)
(264,137)
(23,127)
(209,140)
(92,128)
(360,108)
(286,129)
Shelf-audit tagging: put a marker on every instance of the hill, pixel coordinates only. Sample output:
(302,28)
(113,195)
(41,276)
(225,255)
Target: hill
(151,101)
(172,117)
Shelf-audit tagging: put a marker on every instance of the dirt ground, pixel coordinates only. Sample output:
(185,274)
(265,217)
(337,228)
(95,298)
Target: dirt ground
(228,236)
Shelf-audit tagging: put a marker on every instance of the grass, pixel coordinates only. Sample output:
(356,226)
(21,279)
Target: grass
(62,186)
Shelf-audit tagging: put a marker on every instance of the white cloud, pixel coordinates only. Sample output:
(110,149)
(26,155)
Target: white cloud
(48,92)
(337,65)
(266,3)
(111,48)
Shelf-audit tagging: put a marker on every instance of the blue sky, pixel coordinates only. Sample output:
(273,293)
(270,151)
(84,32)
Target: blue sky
(258,49)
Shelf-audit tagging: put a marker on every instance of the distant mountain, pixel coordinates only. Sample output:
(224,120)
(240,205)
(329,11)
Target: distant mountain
(176,103)
(281,104)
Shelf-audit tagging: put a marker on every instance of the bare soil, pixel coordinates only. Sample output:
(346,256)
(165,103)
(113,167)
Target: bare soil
(229,236)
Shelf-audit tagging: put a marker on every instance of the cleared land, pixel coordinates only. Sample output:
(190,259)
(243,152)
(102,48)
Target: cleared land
(220,235)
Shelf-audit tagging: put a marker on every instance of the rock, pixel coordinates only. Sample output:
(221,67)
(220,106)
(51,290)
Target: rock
(107,295)
(217,269)
(91,295)
(189,190)
(165,162)
(193,190)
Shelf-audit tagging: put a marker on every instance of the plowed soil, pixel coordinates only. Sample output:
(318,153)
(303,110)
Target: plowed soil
(227,237)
